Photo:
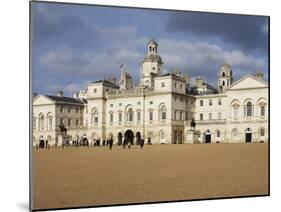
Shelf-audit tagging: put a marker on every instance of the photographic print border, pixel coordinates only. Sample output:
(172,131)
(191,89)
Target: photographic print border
(141,203)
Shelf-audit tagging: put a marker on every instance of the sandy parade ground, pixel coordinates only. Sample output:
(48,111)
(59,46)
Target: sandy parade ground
(74,177)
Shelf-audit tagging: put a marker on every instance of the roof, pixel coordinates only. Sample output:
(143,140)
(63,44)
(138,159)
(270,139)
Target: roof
(171,74)
(65,99)
(106,82)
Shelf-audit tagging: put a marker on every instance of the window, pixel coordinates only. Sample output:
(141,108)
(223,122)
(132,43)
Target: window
(210,102)
(175,115)
(153,68)
(219,101)
(111,117)
(210,116)
(94,116)
(218,134)
(50,122)
(223,83)
(201,102)
(223,74)
(175,85)
(262,110)
(61,109)
(235,111)
(77,122)
(77,109)
(41,122)
(162,110)
(69,122)
(138,116)
(180,86)
(61,121)
(130,114)
(150,115)
(162,84)
(201,116)
(219,115)
(151,102)
(249,109)
(120,117)
(95,90)
(262,132)
(69,109)
(181,117)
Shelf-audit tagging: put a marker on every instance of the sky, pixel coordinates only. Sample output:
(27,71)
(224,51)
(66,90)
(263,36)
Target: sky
(85,43)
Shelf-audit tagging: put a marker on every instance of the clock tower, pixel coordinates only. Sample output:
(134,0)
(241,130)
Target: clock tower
(151,64)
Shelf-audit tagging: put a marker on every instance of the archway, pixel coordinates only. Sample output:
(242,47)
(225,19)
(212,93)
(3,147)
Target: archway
(41,142)
(248,135)
(120,136)
(138,137)
(129,136)
(208,136)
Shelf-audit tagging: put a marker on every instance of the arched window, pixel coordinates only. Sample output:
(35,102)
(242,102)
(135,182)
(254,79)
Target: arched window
(162,112)
(41,122)
(223,83)
(223,74)
(249,109)
(49,121)
(94,116)
(235,111)
(130,114)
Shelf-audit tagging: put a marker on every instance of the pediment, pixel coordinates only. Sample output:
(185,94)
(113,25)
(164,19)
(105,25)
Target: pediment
(42,100)
(248,82)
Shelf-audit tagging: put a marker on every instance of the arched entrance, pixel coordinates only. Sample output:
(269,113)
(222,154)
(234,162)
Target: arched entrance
(208,137)
(41,142)
(248,135)
(129,136)
(138,137)
(119,137)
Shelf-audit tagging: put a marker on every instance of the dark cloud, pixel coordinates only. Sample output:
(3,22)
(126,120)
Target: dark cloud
(248,32)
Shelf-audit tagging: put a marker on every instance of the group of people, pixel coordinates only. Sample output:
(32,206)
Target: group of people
(96,143)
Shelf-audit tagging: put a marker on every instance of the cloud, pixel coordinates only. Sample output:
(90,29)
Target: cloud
(204,59)
(246,32)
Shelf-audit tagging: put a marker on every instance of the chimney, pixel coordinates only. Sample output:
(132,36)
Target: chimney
(60,93)
(199,82)
(75,95)
(259,76)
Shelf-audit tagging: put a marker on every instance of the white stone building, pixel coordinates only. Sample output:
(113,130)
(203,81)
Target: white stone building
(160,108)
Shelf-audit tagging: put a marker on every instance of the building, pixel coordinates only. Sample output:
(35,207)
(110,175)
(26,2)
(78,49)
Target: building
(162,108)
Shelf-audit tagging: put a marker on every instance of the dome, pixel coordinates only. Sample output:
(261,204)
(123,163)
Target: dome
(225,68)
(152,41)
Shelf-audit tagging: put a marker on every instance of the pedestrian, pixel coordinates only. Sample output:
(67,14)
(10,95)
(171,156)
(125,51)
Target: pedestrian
(110,142)
(141,143)
(129,145)
(124,143)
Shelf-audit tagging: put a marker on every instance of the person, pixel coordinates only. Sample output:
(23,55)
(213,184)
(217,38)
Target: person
(129,144)
(149,141)
(110,143)
(46,143)
(141,143)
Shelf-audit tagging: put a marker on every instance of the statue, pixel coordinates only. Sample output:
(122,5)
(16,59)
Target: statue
(63,129)
(192,124)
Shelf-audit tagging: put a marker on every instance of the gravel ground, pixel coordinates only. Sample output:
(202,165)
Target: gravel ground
(97,176)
